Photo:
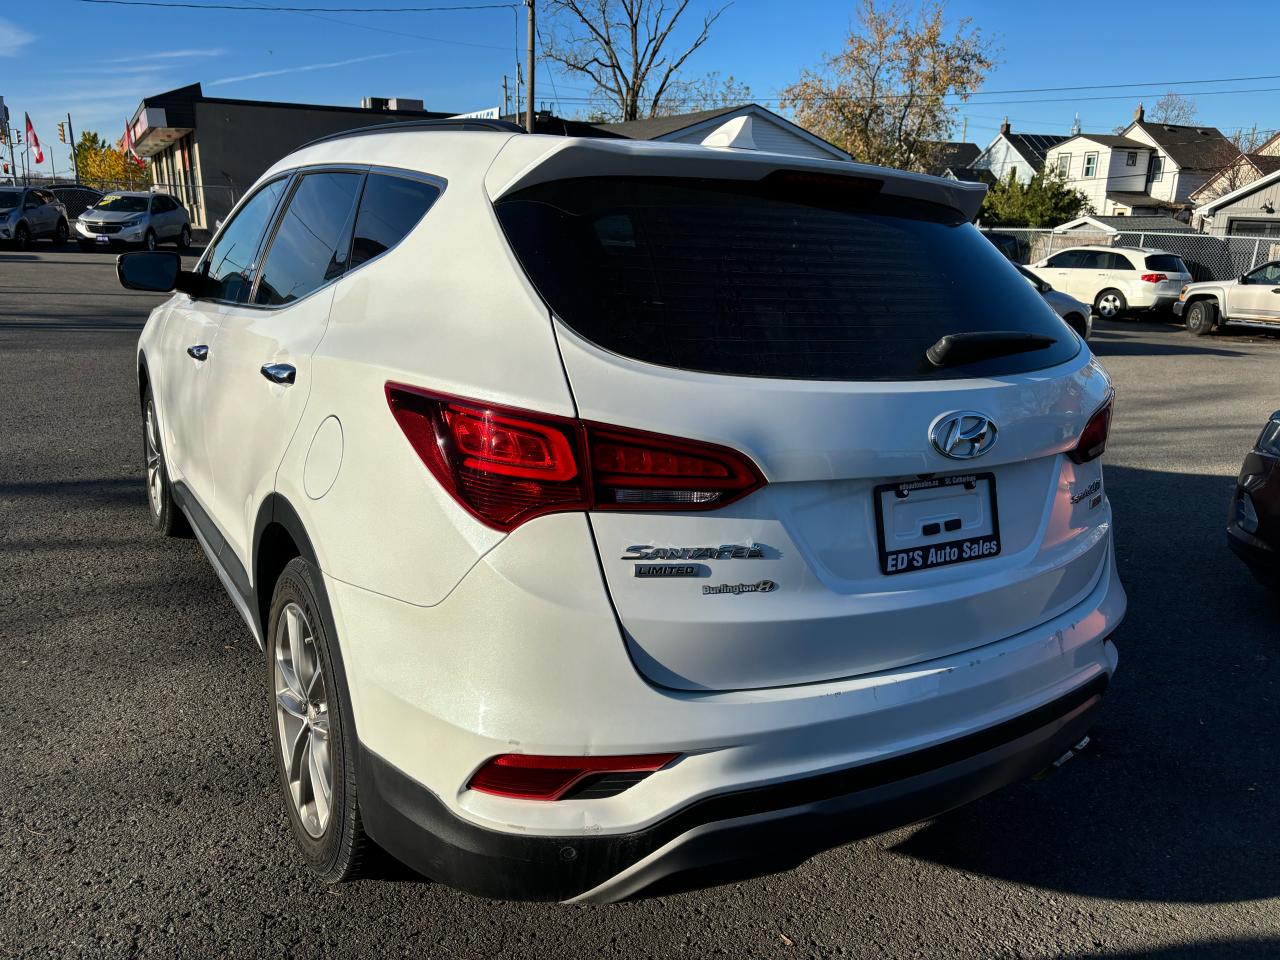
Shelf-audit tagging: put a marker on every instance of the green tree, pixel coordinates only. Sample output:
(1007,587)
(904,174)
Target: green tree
(1044,201)
(889,96)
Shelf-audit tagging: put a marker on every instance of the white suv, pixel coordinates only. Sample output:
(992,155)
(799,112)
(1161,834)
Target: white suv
(611,520)
(1116,280)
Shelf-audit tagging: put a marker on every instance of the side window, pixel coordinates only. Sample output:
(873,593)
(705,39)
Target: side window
(33,200)
(1064,165)
(228,266)
(1267,273)
(1093,260)
(1131,158)
(1117,261)
(1069,258)
(1090,164)
(311,244)
(160,204)
(389,208)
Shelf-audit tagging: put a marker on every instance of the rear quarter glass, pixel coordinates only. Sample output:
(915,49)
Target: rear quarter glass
(770,279)
(1166,263)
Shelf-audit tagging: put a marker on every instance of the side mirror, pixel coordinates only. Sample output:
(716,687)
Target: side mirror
(1245,279)
(156,271)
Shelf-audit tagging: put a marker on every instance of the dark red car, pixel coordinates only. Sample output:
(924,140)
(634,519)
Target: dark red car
(1253,525)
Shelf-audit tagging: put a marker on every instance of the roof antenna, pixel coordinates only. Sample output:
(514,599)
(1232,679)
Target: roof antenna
(735,135)
(1075,127)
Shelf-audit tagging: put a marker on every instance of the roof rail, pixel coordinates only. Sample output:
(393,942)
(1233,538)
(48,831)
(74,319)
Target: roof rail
(469,123)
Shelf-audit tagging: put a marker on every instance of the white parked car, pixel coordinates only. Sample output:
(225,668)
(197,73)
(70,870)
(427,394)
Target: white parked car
(608,516)
(1076,313)
(1116,280)
(1252,300)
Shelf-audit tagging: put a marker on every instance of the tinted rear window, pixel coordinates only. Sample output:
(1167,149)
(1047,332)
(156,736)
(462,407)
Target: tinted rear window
(774,278)
(1166,262)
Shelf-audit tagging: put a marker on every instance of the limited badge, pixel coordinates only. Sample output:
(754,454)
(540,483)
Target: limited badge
(651,570)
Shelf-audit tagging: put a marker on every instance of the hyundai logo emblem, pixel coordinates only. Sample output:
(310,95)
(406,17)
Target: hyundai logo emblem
(963,435)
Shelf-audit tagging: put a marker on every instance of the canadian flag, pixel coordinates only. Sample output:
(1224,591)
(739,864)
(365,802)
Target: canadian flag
(33,140)
(128,145)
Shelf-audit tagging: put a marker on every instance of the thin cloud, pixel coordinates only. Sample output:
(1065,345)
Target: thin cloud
(304,69)
(169,55)
(12,39)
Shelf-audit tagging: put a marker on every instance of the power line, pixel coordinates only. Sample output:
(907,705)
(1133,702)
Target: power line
(396,33)
(262,8)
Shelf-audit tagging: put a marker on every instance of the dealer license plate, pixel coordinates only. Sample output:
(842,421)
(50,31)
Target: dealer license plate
(936,522)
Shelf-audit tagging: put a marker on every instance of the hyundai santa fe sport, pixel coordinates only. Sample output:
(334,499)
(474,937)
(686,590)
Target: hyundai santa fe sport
(621,516)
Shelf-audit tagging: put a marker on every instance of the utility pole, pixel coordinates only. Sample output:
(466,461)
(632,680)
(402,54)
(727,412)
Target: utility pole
(506,99)
(533,26)
(965,135)
(75,161)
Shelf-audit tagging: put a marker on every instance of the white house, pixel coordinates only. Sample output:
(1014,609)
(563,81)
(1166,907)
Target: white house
(1019,153)
(1183,157)
(770,131)
(1110,170)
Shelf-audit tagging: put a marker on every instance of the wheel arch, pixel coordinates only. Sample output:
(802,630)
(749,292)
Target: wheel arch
(144,377)
(279,535)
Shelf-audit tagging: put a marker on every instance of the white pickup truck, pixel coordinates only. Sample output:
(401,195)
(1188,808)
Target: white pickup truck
(1249,301)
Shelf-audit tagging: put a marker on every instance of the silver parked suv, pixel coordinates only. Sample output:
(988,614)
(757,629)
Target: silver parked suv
(134,217)
(27,214)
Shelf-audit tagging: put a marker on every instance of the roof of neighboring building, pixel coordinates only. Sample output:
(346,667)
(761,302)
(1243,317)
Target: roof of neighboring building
(1128,224)
(1110,140)
(1190,147)
(1262,163)
(1134,198)
(179,106)
(661,128)
(1033,146)
(956,153)
(970,175)
(1260,184)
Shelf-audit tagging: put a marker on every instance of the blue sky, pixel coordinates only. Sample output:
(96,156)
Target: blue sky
(98,61)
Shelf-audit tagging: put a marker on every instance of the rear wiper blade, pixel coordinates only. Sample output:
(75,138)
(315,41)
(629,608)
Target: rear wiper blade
(957,349)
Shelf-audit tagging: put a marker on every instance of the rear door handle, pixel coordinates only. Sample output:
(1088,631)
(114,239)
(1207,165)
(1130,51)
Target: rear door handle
(279,372)
(1275,289)
(198,352)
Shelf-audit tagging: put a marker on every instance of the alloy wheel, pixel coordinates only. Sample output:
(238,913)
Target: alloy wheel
(1109,305)
(302,713)
(155,478)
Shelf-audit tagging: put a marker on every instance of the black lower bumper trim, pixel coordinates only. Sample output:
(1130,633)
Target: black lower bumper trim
(740,833)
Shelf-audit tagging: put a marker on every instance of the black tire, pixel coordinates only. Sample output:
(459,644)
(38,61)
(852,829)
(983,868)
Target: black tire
(61,234)
(22,237)
(184,238)
(166,517)
(1078,323)
(1201,318)
(1110,304)
(150,241)
(342,851)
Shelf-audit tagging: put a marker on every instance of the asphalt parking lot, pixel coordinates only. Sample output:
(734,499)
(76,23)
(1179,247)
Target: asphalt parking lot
(138,807)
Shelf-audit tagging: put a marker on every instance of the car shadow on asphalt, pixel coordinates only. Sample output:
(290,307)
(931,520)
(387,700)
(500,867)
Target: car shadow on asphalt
(1181,344)
(1177,801)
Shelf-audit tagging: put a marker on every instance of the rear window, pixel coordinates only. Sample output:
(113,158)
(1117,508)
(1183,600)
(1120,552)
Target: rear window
(1167,263)
(800,278)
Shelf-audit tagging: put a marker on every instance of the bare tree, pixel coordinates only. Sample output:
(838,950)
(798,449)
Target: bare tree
(883,98)
(1174,108)
(622,47)
(705,93)
(1239,171)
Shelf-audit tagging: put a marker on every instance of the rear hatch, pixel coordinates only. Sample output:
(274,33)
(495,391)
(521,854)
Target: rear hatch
(787,316)
(1171,268)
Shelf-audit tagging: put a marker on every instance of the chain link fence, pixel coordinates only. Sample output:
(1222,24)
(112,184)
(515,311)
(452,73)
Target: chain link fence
(205,204)
(1207,257)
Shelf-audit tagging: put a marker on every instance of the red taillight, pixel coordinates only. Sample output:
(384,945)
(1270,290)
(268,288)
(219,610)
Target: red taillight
(527,777)
(507,466)
(1154,277)
(1093,441)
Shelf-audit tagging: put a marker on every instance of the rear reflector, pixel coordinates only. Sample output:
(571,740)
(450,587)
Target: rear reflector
(1154,277)
(506,466)
(526,777)
(1093,441)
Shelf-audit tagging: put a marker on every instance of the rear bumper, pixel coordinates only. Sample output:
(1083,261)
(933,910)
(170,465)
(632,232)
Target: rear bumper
(725,836)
